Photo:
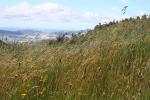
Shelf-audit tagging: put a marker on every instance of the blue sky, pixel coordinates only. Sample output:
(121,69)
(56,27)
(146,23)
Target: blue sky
(66,14)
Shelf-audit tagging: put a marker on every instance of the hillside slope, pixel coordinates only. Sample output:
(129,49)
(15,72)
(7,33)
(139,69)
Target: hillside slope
(110,62)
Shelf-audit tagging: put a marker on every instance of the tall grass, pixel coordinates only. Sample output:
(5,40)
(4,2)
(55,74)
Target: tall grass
(112,62)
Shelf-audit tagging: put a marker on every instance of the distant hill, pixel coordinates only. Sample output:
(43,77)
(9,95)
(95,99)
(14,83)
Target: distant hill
(5,32)
(28,35)
(23,35)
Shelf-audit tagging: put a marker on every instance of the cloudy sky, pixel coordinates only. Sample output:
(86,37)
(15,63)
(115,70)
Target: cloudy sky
(66,14)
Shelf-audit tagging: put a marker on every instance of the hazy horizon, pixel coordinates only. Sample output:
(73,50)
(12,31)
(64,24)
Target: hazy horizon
(38,29)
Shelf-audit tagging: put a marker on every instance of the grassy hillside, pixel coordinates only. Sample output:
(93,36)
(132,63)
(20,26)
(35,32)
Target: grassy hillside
(110,62)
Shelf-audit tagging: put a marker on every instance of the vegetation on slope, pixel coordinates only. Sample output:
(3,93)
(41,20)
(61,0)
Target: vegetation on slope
(110,62)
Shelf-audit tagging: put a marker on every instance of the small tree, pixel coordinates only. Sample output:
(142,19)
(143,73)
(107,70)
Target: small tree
(97,26)
(73,35)
(100,24)
(111,23)
(117,22)
(138,18)
(131,19)
(60,38)
(126,19)
(2,42)
(144,16)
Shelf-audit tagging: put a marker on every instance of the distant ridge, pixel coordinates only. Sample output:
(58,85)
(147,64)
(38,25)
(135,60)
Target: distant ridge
(27,35)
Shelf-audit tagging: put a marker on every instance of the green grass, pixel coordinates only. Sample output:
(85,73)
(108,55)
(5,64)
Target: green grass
(112,62)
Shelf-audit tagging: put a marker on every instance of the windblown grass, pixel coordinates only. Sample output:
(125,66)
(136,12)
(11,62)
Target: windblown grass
(108,63)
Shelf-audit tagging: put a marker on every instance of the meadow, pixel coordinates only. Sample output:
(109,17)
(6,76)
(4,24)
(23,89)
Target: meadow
(111,62)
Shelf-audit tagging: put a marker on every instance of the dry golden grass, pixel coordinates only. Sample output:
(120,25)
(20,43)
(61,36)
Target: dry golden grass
(108,63)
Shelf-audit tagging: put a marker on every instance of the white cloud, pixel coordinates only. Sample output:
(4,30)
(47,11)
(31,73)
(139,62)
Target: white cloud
(124,1)
(116,9)
(51,12)
(140,12)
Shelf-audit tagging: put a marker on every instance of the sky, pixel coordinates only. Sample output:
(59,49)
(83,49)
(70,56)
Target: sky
(67,14)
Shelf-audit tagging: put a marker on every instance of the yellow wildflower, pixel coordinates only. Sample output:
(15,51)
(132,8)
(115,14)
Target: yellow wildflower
(23,94)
